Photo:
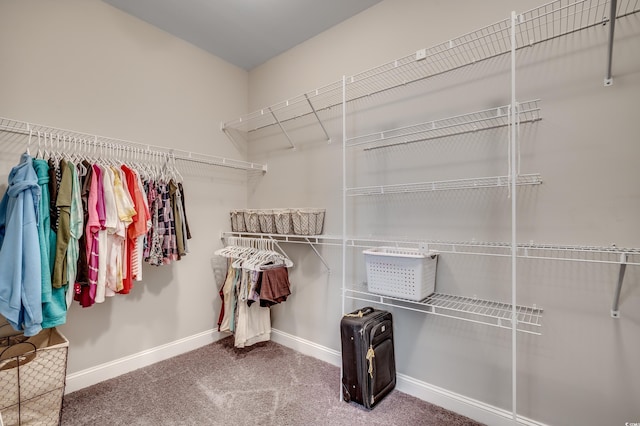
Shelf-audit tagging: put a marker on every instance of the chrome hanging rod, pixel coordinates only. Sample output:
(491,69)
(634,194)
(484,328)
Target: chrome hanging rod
(32,129)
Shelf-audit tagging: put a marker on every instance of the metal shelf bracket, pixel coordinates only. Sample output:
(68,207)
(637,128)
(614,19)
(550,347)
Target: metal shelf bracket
(318,118)
(608,79)
(282,128)
(235,143)
(615,310)
(324,262)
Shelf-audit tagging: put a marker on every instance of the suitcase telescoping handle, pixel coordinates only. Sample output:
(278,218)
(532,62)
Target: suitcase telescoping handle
(361,312)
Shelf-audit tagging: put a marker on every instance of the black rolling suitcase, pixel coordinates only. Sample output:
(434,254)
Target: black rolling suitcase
(368,362)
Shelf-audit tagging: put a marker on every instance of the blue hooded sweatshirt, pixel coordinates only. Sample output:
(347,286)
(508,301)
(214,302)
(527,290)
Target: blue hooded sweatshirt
(20,263)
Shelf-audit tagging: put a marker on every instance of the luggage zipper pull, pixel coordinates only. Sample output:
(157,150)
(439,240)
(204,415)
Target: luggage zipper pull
(370,355)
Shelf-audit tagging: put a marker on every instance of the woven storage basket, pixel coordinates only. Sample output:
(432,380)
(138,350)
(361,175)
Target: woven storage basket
(251,221)
(283,222)
(32,379)
(308,221)
(237,221)
(267,221)
(403,273)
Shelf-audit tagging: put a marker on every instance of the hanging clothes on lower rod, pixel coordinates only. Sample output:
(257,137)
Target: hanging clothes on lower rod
(256,279)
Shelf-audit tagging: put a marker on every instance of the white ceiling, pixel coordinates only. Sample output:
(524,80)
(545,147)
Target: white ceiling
(244,32)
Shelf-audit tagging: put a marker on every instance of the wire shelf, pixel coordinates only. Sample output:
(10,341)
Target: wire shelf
(334,240)
(575,253)
(537,25)
(76,139)
(471,309)
(299,106)
(492,118)
(563,17)
(446,185)
(534,26)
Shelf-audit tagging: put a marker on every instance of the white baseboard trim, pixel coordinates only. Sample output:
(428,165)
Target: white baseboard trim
(306,347)
(461,404)
(109,370)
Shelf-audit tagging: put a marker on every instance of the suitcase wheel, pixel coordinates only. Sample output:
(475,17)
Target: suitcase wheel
(346,396)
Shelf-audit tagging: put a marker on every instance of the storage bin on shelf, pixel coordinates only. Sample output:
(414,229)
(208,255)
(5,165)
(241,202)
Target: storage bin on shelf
(267,221)
(308,221)
(398,272)
(32,378)
(251,221)
(283,221)
(237,221)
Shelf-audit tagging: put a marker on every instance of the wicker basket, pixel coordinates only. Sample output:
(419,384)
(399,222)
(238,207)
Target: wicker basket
(308,221)
(32,378)
(251,221)
(237,221)
(403,273)
(267,221)
(283,222)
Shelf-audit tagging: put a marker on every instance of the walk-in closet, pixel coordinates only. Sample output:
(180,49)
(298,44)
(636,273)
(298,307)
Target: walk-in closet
(469,167)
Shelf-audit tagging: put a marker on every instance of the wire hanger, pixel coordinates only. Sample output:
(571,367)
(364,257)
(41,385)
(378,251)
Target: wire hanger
(253,254)
(82,170)
(45,153)
(178,176)
(29,141)
(39,152)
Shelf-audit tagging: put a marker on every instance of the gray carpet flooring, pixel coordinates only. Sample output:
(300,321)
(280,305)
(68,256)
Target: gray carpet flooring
(265,384)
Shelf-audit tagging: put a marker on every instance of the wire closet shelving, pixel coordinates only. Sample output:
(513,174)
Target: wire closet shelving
(535,26)
(530,250)
(445,185)
(544,23)
(24,131)
(470,309)
(487,119)
(507,37)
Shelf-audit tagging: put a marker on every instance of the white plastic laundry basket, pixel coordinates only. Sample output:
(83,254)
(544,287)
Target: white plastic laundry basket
(403,273)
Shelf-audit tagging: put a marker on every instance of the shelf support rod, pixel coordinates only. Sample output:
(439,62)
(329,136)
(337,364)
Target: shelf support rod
(615,310)
(318,118)
(277,244)
(282,128)
(324,262)
(514,246)
(608,79)
(344,204)
(235,143)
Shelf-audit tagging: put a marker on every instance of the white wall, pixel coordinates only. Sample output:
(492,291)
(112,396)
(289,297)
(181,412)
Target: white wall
(583,368)
(86,66)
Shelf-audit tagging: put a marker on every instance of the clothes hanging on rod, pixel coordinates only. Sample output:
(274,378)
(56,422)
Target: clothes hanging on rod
(85,224)
(130,148)
(255,273)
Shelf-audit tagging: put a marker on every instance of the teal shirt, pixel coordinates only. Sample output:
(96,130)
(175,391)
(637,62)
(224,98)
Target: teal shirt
(54,305)
(44,226)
